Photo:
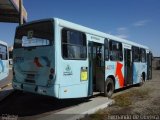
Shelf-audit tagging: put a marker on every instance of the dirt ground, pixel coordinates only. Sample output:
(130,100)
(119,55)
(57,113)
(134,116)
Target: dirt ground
(134,103)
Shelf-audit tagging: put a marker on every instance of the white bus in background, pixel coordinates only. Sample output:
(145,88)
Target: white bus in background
(4,63)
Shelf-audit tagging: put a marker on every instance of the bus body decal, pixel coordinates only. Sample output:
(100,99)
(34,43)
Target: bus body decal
(41,61)
(36,61)
(48,64)
(119,74)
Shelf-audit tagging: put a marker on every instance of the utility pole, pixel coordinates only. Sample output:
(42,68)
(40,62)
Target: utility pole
(20,12)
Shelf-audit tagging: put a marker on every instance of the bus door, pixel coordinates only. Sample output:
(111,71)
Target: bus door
(149,65)
(128,69)
(96,67)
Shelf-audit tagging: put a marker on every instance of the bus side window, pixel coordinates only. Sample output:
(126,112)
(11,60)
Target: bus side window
(120,55)
(106,47)
(136,54)
(116,53)
(73,44)
(143,55)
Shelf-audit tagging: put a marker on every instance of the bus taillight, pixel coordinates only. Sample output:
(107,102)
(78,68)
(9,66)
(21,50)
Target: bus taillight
(52,71)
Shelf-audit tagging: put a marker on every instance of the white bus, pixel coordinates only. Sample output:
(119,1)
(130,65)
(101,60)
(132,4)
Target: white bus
(4,64)
(62,59)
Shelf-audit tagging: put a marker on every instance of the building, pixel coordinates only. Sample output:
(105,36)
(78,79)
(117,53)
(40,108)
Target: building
(13,11)
(156,63)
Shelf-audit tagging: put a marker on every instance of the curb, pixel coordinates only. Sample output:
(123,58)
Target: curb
(6,92)
(92,111)
(78,112)
(1,88)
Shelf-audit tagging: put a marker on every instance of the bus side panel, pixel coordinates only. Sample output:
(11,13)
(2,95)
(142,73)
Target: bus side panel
(49,91)
(113,69)
(73,91)
(138,69)
(68,72)
(144,69)
(136,72)
(69,77)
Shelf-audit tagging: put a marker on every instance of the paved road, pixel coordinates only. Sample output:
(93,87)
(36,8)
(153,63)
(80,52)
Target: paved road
(7,80)
(31,106)
(6,86)
(28,106)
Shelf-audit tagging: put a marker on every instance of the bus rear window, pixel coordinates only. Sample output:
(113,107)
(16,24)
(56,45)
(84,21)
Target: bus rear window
(36,34)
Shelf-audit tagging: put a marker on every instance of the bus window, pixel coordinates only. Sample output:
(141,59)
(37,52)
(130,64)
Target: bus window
(136,54)
(143,55)
(106,49)
(116,53)
(73,44)
(99,56)
(33,35)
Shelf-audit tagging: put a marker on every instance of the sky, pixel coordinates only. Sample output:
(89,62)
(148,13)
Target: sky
(134,20)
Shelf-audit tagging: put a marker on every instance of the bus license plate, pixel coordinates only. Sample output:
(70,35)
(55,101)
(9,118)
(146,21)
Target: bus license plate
(84,75)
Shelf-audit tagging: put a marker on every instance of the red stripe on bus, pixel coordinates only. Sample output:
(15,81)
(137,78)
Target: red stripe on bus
(36,61)
(119,74)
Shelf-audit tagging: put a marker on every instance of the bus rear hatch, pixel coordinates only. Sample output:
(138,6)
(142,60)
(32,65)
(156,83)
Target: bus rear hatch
(33,55)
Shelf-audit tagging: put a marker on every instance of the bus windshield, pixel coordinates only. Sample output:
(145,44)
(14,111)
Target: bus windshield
(35,34)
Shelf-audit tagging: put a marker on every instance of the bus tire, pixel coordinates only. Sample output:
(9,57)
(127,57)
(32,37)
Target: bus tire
(141,80)
(109,88)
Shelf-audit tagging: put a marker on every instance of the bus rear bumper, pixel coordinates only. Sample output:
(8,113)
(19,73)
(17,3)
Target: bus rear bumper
(49,91)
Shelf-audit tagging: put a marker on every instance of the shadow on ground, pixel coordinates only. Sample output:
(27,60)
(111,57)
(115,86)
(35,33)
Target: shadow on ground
(27,104)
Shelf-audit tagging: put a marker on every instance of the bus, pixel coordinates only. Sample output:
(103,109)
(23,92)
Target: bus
(58,58)
(4,64)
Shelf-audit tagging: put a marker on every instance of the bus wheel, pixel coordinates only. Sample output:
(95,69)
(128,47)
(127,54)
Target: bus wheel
(109,88)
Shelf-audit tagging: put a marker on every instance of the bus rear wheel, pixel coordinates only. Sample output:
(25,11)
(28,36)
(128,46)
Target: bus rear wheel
(142,80)
(109,88)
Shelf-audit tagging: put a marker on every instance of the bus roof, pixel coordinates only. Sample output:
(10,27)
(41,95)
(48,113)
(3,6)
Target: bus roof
(3,43)
(78,27)
(74,26)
